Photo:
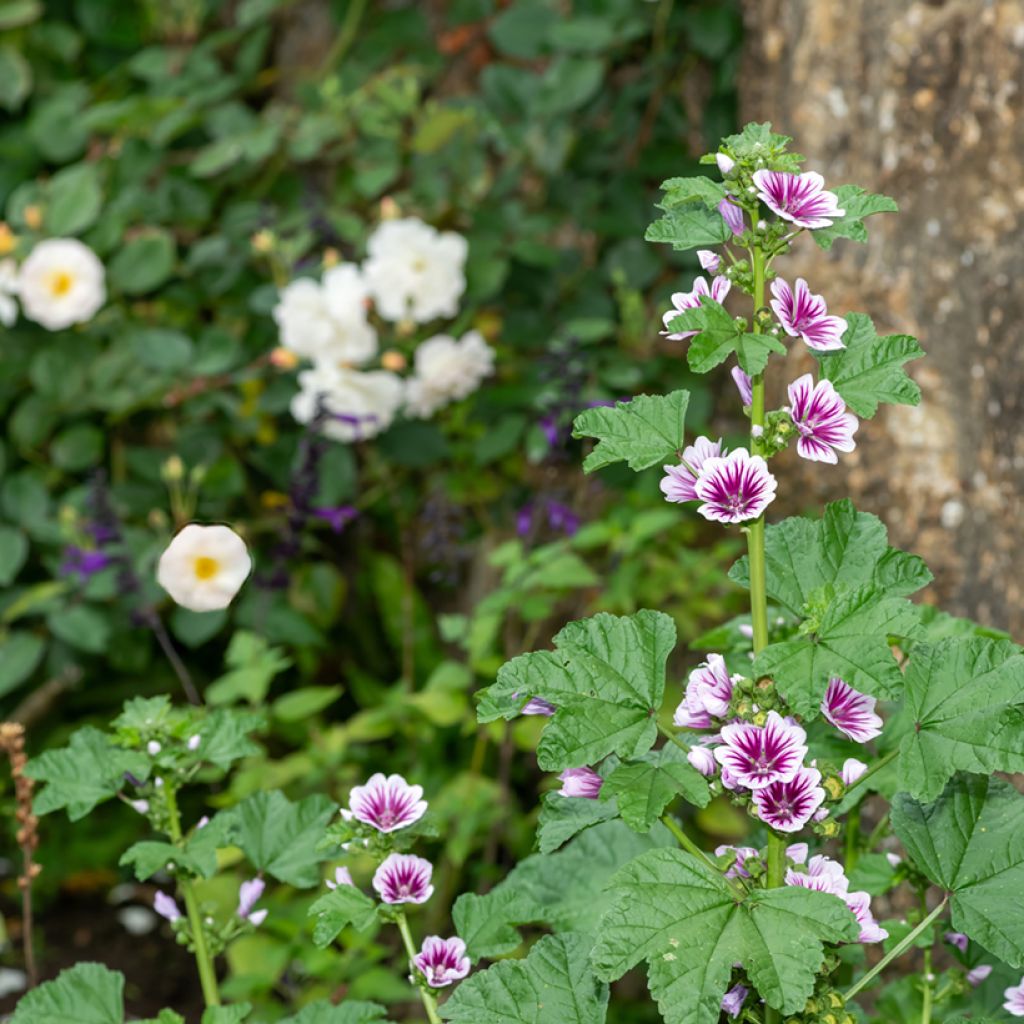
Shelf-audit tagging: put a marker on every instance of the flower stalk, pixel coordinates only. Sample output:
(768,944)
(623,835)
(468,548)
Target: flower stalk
(429,1002)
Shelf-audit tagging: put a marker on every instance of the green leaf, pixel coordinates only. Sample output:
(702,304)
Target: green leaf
(13,552)
(684,190)
(19,655)
(720,336)
(970,841)
(15,77)
(644,788)
(486,923)
(89,770)
(858,204)
(84,994)
(689,226)
(643,431)
(82,626)
(338,909)
(562,817)
(966,700)
(73,200)
(870,369)
(144,263)
(606,676)
(352,1011)
(280,837)
(148,857)
(226,1014)
(166,1017)
(757,142)
(553,985)
(683,917)
(15,13)
(224,736)
(253,664)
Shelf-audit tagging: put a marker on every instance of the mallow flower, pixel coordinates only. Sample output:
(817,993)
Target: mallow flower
(976,975)
(708,693)
(805,315)
(822,874)
(788,806)
(387,803)
(204,567)
(446,370)
(61,283)
(734,488)
(165,906)
(682,301)
(732,1001)
(852,770)
(1014,997)
(342,876)
(249,894)
(404,878)
(442,961)
(851,712)
(678,483)
(820,417)
(744,385)
(757,756)
(581,782)
(799,198)
(733,216)
(870,930)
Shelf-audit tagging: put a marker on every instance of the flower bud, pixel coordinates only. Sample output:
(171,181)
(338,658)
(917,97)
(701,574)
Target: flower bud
(33,216)
(262,241)
(283,359)
(8,240)
(833,786)
(153,748)
(173,469)
(393,360)
(389,209)
(331,258)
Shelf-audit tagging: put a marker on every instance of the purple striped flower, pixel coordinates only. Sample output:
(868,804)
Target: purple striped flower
(822,874)
(734,488)
(703,760)
(957,939)
(732,1001)
(820,416)
(788,806)
(682,301)
(538,706)
(797,852)
(1014,996)
(581,782)
(800,198)
(709,260)
(870,930)
(165,906)
(805,315)
(733,216)
(738,869)
(404,878)
(249,894)
(387,804)
(442,961)
(758,756)
(678,483)
(744,385)
(708,694)
(851,712)
(342,876)
(852,770)
(976,975)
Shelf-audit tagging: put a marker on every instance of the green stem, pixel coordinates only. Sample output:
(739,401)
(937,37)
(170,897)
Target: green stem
(876,767)
(204,961)
(345,38)
(691,847)
(429,1002)
(852,838)
(669,735)
(926,999)
(898,950)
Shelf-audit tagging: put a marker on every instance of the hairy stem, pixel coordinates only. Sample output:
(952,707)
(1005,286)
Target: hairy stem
(429,1002)
(691,847)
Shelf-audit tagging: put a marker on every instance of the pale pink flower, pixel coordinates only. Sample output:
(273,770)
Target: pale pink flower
(703,760)
(725,162)
(1014,1004)
(738,868)
(821,874)
(709,260)
(342,876)
(165,906)
(800,198)
(976,975)
(733,216)
(581,782)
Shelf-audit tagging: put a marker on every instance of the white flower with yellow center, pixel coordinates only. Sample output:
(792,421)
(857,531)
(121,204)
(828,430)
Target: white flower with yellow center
(61,283)
(204,567)
(447,370)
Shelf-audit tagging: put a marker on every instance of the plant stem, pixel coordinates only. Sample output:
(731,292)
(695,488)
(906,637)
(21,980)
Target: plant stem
(429,1002)
(691,847)
(204,962)
(852,845)
(669,735)
(876,767)
(345,38)
(898,950)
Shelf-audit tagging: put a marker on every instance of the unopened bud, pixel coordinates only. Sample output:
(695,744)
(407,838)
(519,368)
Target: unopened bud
(7,239)
(153,748)
(393,360)
(389,209)
(262,241)
(33,216)
(331,257)
(283,359)
(834,787)
(173,469)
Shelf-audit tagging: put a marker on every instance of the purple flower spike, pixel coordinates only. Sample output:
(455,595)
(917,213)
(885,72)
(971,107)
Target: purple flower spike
(733,216)
(563,519)
(744,385)
(852,770)
(820,416)
(804,315)
(800,198)
(442,961)
(538,706)
(337,517)
(703,760)
(957,939)
(788,806)
(851,712)
(758,756)
(387,804)
(582,782)
(82,564)
(165,906)
(735,488)
(682,301)
(1014,996)
(822,874)
(732,1001)
(249,894)
(709,260)
(342,876)
(678,483)
(976,975)
(870,930)
(404,878)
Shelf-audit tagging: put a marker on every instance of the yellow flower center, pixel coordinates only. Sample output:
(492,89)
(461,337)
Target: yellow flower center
(206,568)
(60,283)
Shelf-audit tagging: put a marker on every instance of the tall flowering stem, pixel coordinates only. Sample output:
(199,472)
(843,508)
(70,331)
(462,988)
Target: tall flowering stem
(429,1002)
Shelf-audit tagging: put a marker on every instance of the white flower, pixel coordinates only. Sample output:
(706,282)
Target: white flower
(327,321)
(446,370)
(8,291)
(359,404)
(61,283)
(414,271)
(204,567)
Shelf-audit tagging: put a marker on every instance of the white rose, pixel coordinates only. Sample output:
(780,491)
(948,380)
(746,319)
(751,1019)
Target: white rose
(61,283)
(8,291)
(445,370)
(414,271)
(359,404)
(204,567)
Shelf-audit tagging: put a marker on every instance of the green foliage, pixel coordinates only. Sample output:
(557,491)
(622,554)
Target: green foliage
(641,432)
(857,204)
(338,909)
(562,817)
(645,787)
(689,226)
(720,337)
(84,994)
(349,1012)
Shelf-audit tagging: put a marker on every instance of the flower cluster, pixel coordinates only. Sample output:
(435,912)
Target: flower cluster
(413,274)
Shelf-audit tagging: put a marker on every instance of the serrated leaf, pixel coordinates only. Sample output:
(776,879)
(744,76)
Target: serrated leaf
(84,994)
(280,837)
(870,369)
(689,226)
(487,923)
(352,1011)
(644,788)
(224,736)
(858,204)
(684,190)
(226,1014)
(720,335)
(346,905)
(149,857)
(966,700)
(970,841)
(606,677)
(642,432)
(89,770)
(553,985)
(562,817)
(684,919)
(757,142)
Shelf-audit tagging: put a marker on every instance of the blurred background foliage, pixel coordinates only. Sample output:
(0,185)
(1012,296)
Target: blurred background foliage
(208,152)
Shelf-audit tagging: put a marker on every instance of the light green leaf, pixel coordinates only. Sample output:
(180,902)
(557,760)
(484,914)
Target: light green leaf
(89,770)
(82,626)
(20,653)
(684,190)
(562,817)
(224,736)
(720,336)
(15,13)
(689,226)
(486,923)
(682,916)
(352,1011)
(73,200)
(226,1014)
(338,909)
(858,204)
(253,665)
(971,842)
(553,985)
(280,837)
(84,994)
(966,700)
(643,432)
(606,677)
(870,369)
(15,77)
(148,857)
(757,142)
(644,788)
(166,1017)
(145,262)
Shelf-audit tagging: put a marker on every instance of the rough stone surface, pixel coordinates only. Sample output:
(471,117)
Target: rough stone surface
(921,101)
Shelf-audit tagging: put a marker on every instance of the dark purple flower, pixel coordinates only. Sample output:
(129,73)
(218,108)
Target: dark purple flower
(732,1001)
(581,782)
(757,756)
(820,415)
(744,385)
(733,216)
(805,315)
(524,520)
(337,516)
(562,518)
(788,806)
(442,961)
(83,563)
(851,712)
(800,198)
(678,483)
(734,488)
(387,804)
(682,301)
(404,878)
